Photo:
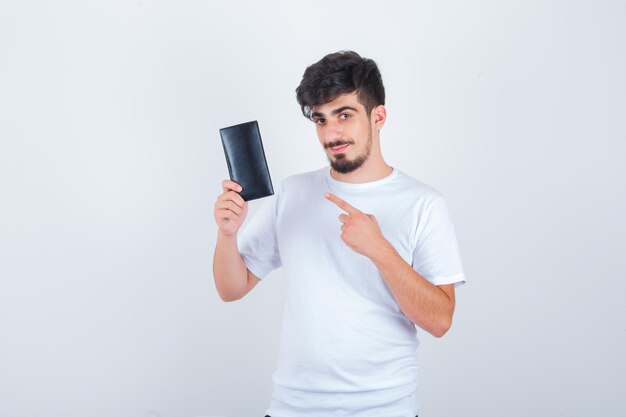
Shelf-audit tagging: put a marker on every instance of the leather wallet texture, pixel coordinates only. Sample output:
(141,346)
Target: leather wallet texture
(246,161)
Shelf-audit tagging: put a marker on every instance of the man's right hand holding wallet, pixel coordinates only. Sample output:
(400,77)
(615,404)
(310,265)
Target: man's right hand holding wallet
(232,278)
(230,208)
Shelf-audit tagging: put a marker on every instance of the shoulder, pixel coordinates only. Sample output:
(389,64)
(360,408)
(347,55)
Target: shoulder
(417,190)
(303,179)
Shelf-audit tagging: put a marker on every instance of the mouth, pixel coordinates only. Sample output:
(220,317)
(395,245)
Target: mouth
(340,148)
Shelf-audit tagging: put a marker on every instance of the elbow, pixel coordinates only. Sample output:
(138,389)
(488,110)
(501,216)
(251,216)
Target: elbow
(228,298)
(442,327)
(440,332)
(227,295)
(444,322)
(437,329)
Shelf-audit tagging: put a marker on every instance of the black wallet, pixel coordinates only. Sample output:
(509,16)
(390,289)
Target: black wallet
(246,160)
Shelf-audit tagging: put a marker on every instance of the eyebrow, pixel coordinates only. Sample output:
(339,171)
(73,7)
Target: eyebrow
(334,112)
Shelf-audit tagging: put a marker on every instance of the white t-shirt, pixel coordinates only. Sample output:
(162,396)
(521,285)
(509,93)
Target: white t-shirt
(346,348)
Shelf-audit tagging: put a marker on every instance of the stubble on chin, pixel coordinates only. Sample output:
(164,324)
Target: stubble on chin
(343,165)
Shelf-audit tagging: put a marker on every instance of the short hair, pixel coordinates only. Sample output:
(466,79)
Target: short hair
(338,73)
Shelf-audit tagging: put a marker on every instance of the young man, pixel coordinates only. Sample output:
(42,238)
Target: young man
(368,252)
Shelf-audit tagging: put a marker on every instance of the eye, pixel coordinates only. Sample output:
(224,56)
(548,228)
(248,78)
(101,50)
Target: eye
(319,121)
(347,116)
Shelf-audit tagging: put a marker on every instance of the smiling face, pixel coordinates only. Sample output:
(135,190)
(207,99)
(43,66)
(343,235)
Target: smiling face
(345,131)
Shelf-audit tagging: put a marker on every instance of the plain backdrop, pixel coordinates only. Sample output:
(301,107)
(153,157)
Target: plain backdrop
(110,163)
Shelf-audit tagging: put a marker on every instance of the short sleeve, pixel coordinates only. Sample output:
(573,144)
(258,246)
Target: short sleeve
(436,254)
(257,242)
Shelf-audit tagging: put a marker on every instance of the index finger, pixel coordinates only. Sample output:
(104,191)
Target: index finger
(341,203)
(228,185)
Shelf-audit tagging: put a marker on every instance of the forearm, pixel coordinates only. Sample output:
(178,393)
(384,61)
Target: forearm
(425,304)
(229,268)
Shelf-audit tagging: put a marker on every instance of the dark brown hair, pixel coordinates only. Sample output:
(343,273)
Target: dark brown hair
(340,73)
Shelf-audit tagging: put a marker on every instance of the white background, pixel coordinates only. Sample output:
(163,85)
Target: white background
(110,163)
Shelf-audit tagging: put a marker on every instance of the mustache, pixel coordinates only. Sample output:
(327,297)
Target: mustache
(338,143)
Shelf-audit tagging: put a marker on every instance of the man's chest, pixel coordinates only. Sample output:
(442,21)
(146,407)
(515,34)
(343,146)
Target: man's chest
(310,223)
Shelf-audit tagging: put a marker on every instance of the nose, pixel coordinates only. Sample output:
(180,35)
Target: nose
(333,131)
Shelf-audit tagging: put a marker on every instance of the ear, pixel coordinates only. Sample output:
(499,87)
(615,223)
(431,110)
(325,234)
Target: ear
(379,115)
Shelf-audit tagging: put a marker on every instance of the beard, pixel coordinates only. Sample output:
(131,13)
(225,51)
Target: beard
(343,165)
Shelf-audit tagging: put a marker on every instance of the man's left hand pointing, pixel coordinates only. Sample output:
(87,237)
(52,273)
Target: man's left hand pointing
(360,231)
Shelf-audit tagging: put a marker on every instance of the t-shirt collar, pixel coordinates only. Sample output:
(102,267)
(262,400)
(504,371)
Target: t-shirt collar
(359,186)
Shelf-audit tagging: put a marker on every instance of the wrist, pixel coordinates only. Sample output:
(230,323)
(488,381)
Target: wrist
(222,235)
(384,252)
